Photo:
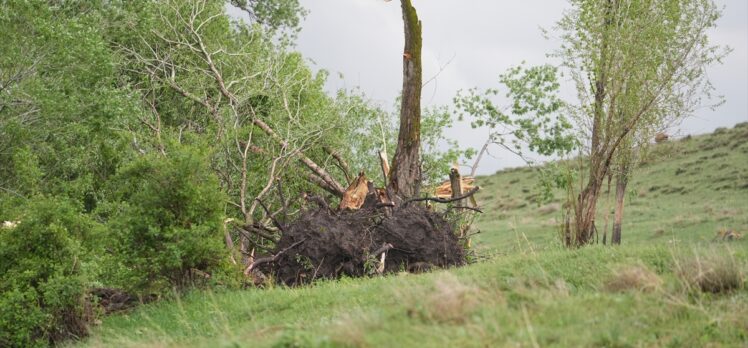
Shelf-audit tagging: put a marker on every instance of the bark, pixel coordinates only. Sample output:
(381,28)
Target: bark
(600,153)
(585,211)
(607,210)
(621,183)
(405,180)
(455,182)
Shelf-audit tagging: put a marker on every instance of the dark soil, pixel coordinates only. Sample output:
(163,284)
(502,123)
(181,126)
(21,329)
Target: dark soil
(330,244)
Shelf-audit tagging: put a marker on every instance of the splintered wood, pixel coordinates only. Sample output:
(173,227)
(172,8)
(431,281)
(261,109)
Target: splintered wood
(354,196)
(444,190)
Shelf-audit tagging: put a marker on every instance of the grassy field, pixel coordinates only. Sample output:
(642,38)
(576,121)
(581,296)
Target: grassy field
(531,291)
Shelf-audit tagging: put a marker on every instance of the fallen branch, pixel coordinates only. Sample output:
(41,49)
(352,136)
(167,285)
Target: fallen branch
(468,208)
(386,247)
(229,240)
(257,231)
(314,179)
(469,235)
(341,163)
(284,203)
(270,215)
(443,200)
(257,245)
(320,202)
(264,260)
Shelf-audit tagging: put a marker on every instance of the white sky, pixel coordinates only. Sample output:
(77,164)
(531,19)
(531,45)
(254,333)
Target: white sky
(480,39)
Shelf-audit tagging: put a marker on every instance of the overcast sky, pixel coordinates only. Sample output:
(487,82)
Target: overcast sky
(474,41)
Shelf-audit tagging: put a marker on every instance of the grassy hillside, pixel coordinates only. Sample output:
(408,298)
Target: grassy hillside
(687,190)
(531,292)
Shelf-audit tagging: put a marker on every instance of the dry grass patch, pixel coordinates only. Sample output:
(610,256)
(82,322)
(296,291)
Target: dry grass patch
(716,272)
(448,301)
(628,278)
(349,330)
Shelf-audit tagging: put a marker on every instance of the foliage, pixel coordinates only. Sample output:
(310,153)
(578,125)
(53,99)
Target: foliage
(438,151)
(536,118)
(167,220)
(275,14)
(61,100)
(45,267)
(638,65)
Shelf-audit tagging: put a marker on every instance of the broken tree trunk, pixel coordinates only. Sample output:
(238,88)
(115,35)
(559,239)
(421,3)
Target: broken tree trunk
(354,196)
(455,182)
(405,180)
(385,167)
(444,190)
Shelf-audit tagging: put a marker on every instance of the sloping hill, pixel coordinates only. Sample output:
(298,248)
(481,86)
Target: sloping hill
(668,285)
(686,190)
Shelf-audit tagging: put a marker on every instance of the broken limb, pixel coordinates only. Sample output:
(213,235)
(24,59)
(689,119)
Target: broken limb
(386,247)
(341,163)
(444,200)
(273,258)
(270,215)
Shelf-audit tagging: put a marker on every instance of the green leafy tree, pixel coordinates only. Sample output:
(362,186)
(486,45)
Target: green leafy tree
(275,14)
(61,102)
(167,221)
(533,119)
(45,269)
(635,63)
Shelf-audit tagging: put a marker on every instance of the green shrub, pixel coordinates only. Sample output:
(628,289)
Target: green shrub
(43,271)
(167,222)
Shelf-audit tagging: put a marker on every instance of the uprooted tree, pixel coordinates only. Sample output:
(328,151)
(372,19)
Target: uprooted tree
(374,230)
(636,64)
(191,67)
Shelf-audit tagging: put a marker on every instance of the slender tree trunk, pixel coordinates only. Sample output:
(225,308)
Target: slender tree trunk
(585,211)
(586,207)
(621,183)
(405,179)
(607,210)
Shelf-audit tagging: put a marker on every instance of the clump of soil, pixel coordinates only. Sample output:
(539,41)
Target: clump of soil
(329,244)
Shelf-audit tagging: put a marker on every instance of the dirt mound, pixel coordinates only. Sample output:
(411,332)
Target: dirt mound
(329,244)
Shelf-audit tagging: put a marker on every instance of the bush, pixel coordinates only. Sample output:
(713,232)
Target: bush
(167,222)
(717,272)
(43,275)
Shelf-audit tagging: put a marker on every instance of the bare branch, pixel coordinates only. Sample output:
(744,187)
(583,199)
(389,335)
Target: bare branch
(444,200)
(273,258)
